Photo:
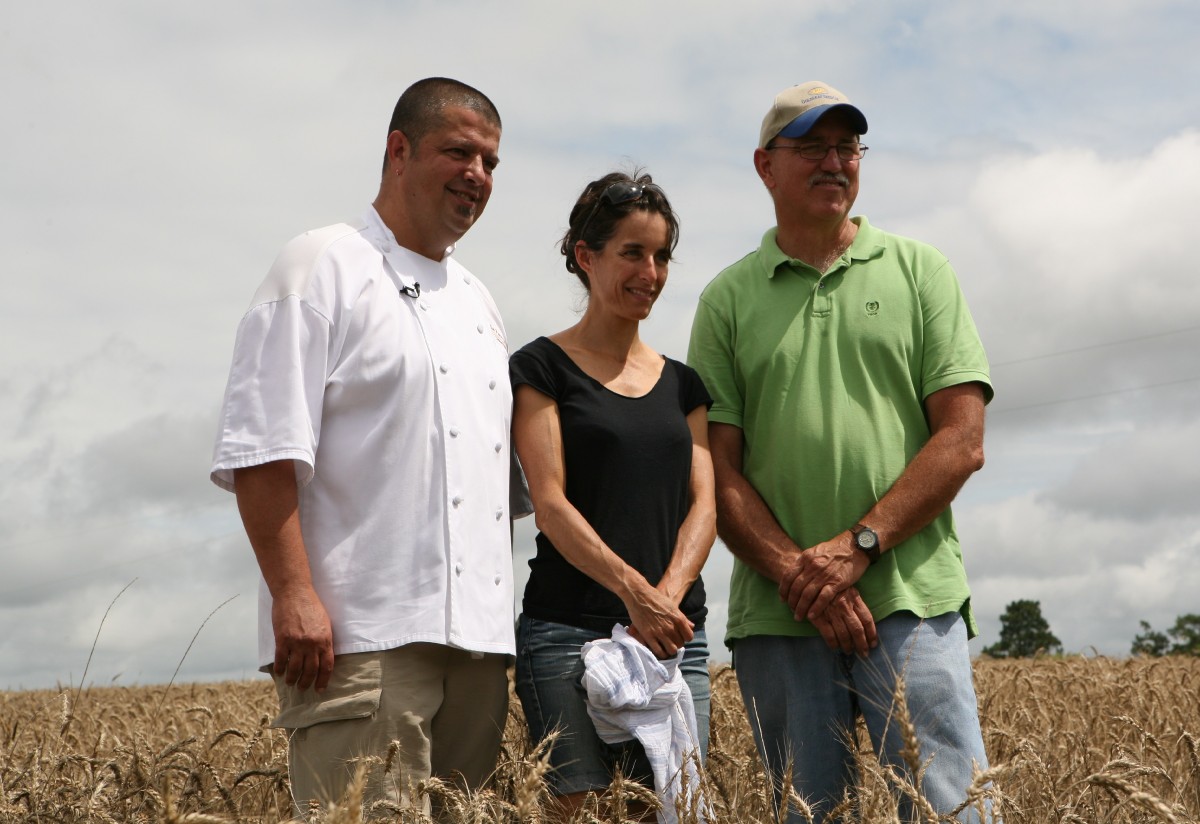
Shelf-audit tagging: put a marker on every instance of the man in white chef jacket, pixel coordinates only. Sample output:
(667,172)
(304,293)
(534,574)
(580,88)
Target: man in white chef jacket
(365,432)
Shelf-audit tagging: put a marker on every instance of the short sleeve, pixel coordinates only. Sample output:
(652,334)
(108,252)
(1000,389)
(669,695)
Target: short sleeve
(952,351)
(710,353)
(531,365)
(274,398)
(692,393)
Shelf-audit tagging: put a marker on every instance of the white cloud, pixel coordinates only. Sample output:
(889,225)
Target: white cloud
(1151,473)
(1096,572)
(157,157)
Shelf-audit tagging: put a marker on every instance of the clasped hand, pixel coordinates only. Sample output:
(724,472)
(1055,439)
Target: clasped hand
(819,587)
(657,622)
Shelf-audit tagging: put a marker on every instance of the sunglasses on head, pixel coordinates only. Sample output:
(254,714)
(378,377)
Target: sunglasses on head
(622,191)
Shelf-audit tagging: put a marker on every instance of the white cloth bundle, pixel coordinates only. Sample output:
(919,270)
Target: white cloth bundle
(631,694)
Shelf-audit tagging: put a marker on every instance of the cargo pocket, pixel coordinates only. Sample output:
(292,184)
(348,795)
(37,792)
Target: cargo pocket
(353,692)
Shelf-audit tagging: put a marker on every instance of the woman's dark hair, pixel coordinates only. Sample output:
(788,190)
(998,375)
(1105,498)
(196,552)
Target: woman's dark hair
(595,216)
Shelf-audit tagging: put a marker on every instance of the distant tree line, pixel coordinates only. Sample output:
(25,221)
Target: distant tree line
(1024,633)
(1181,639)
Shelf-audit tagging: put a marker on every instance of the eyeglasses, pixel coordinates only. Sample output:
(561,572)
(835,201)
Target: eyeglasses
(818,151)
(621,191)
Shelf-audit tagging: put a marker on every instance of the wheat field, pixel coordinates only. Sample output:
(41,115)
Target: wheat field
(1071,740)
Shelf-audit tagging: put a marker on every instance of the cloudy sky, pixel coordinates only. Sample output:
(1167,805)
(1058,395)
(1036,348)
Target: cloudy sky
(156,156)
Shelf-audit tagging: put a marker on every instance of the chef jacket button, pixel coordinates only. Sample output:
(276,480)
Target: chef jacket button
(499,446)
(499,513)
(444,368)
(497,579)
(458,569)
(491,384)
(454,432)
(479,328)
(456,500)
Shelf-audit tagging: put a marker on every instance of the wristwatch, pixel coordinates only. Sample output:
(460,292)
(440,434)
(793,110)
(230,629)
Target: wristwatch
(865,540)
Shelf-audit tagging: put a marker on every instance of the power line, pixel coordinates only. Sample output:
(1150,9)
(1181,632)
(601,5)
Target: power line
(1150,336)
(1095,395)
(134,519)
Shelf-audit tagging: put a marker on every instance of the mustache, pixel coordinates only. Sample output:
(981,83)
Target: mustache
(829,177)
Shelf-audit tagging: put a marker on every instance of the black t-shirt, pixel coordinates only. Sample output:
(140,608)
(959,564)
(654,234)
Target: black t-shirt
(628,468)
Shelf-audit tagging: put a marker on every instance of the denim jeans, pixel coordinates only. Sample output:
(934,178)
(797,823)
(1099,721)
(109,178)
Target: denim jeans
(549,673)
(802,699)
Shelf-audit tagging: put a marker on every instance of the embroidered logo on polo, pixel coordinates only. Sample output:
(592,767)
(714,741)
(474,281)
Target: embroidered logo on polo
(872,307)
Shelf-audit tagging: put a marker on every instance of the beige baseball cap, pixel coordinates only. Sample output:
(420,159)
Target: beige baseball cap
(797,109)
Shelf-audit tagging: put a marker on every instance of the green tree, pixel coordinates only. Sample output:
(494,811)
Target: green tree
(1023,632)
(1150,642)
(1185,635)
(1181,639)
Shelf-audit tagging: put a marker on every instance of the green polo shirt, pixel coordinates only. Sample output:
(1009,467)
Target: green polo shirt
(826,376)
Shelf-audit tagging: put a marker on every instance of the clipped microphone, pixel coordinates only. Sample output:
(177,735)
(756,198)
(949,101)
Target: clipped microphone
(413,291)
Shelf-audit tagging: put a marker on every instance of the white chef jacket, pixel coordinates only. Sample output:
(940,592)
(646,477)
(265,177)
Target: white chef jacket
(396,411)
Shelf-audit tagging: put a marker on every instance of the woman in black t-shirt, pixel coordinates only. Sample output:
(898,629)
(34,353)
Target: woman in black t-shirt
(613,440)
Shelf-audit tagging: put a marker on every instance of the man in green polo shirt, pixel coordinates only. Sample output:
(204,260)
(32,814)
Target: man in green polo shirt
(849,386)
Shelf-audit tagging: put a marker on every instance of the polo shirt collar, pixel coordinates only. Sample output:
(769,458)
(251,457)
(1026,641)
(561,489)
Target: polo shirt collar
(869,242)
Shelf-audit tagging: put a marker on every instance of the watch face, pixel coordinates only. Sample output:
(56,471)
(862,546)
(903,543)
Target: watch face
(867,539)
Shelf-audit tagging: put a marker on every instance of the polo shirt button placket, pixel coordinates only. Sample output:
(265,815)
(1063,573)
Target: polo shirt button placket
(822,300)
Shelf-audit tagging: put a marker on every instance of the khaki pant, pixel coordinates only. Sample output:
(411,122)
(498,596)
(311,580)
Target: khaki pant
(444,708)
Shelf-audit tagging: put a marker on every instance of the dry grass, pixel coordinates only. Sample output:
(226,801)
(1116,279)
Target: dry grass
(1071,741)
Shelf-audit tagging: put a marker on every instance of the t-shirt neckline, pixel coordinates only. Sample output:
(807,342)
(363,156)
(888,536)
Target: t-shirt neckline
(613,392)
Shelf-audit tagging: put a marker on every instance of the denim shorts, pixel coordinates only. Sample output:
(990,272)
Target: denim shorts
(549,675)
